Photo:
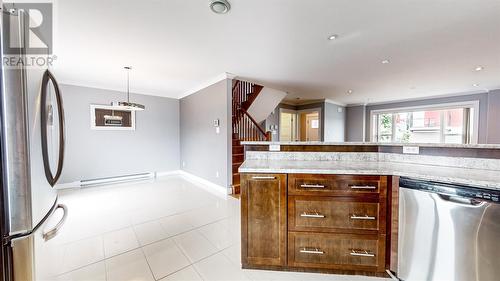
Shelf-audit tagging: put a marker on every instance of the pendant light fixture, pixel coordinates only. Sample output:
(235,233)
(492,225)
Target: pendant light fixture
(127,105)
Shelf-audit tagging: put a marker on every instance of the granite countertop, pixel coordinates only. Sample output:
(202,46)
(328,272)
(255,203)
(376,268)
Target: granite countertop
(485,146)
(475,177)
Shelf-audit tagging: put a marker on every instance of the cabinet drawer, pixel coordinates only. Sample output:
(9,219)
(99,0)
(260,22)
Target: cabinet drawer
(306,213)
(336,251)
(307,184)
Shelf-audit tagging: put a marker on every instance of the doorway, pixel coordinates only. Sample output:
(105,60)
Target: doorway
(309,126)
(288,125)
(302,125)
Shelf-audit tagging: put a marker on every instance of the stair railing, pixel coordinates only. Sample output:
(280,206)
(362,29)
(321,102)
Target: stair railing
(244,126)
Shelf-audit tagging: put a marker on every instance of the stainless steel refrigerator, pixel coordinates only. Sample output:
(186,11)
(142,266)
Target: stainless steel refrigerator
(32,154)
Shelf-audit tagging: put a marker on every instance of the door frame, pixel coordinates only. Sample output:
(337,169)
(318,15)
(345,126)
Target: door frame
(311,110)
(291,111)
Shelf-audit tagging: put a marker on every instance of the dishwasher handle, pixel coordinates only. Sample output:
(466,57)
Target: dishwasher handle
(469,202)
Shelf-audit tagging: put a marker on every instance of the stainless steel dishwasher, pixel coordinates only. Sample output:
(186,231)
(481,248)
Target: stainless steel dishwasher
(448,232)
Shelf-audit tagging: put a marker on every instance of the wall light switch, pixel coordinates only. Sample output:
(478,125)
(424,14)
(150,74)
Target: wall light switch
(274,147)
(216,123)
(217,174)
(217,130)
(411,150)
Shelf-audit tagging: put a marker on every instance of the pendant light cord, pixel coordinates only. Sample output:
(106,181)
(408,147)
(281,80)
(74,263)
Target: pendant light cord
(131,105)
(128,82)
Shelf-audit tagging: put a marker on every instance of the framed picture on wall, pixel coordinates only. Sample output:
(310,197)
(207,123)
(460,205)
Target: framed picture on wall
(106,117)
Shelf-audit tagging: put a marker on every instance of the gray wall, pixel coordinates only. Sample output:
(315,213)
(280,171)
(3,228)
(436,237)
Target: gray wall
(205,153)
(355,123)
(483,110)
(153,146)
(334,122)
(493,134)
(271,120)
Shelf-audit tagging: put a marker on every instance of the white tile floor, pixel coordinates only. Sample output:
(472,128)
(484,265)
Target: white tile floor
(170,229)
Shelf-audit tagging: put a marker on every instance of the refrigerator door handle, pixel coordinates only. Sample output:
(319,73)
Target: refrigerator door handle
(51,178)
(26,234)
(55,230)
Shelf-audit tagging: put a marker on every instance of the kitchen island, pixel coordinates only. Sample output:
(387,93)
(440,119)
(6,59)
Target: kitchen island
(333,207)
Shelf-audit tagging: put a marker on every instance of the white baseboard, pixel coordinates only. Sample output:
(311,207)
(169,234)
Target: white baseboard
(206,184)
(168,173)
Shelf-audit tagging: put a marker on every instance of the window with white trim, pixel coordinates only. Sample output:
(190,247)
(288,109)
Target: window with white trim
(446,124)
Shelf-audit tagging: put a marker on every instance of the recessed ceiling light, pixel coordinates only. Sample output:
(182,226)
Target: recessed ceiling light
(385,61)
(478,68)
(349,92)
(220,6)
(333,37)
(475,85)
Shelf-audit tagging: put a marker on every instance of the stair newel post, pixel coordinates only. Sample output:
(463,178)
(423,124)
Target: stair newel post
(246,128)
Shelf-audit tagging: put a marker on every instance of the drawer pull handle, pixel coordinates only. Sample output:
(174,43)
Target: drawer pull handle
(312,186)
(314,251)
(263,178)
(363,187)
(314,215)
(361,253)
(365,217)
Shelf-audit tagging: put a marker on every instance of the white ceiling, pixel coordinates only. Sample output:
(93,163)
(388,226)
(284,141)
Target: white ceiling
(177,45)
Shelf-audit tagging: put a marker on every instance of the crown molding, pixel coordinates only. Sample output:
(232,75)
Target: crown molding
(450,95)
(335,102)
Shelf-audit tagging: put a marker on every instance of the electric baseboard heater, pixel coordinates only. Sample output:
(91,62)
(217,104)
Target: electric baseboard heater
(117,179)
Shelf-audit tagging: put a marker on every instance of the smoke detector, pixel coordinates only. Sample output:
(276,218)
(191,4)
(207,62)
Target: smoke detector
(220,6)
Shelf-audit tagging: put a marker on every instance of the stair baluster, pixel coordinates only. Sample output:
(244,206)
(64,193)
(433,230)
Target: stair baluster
(244,127)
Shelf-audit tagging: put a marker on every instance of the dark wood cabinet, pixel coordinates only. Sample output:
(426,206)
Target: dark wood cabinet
(326,214)
(264,219)
(356,252)
(307,222)
(333,185)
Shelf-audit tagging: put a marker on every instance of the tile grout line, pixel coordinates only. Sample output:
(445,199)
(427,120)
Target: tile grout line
(197,273)
(104,260)
(132,249)
(183,254)
(133,225)
(136,224)
(144,254)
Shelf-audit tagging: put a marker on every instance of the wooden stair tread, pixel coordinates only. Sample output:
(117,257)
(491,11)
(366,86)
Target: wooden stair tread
(235,189)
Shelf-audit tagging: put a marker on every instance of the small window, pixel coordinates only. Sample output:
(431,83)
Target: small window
(104,117)
(421,125)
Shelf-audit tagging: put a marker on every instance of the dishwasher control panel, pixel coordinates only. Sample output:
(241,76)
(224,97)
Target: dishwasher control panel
(449,189)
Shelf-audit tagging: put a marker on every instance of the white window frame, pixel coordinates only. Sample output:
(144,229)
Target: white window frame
(93,107)
(443,106)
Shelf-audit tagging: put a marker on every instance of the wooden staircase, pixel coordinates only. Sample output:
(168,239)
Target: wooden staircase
(245,128)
